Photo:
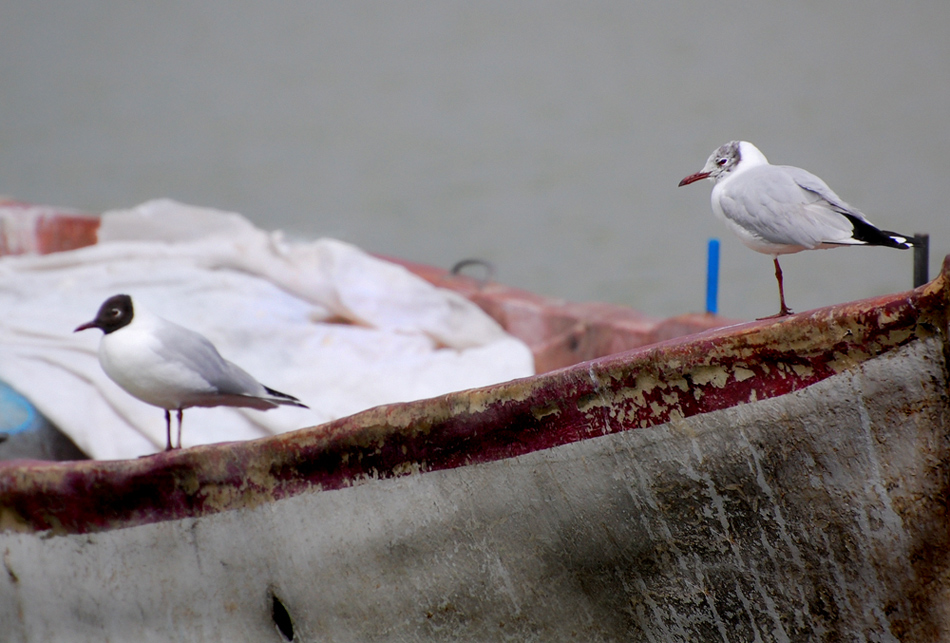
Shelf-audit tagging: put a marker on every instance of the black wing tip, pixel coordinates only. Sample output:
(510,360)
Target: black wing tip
(283,398)
(872,236)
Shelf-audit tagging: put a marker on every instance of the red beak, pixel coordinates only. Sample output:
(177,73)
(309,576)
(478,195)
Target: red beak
(85,326)
(692,178)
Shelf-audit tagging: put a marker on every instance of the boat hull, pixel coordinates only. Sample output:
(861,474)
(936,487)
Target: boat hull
(779,480)
(819,514)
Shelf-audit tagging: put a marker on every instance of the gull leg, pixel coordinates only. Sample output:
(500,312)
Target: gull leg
(180,412)
(168,430)
(781,290)
(784,311)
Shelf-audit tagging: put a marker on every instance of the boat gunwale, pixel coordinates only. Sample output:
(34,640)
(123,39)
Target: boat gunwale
(636,389)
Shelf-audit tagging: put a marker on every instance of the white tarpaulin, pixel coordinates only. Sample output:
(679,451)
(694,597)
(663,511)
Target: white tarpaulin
(322,321)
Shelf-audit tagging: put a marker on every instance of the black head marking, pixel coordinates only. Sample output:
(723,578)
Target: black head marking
(115,313)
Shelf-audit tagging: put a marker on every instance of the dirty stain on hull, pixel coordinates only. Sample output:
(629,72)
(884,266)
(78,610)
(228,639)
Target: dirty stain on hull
(815,516)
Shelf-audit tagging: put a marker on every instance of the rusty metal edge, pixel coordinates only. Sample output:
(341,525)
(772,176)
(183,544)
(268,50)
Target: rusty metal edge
(634,390)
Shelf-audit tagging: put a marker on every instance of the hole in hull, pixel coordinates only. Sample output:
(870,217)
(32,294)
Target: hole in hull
(282,620)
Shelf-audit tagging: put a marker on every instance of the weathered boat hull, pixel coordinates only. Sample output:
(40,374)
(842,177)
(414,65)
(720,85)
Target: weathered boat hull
(773,481)
(776,481)
(818,515)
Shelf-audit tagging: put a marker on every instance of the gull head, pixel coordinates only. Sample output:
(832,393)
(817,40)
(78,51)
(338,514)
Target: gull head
(115,313)
(726,161)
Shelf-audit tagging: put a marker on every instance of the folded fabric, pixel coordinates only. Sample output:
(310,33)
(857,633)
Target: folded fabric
(323,321)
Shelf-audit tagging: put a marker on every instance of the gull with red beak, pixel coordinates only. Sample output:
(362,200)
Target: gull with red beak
(172,367)
(779,209)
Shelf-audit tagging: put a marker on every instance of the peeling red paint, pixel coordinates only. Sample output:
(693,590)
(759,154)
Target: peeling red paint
(641,388)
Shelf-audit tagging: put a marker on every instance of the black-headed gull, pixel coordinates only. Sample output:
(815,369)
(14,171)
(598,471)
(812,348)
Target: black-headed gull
(779,209)
(171,367)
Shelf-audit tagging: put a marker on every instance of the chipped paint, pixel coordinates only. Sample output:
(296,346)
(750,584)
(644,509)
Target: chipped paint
(638,389)
(670,399)
(886,317)
(541,412)
(589,401)
(408,468)
(646,382)
(715,375)
(679,382)
(803,370)
(742,374)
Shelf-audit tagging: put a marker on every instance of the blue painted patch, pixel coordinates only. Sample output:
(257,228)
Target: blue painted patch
(712,277)
(17,414)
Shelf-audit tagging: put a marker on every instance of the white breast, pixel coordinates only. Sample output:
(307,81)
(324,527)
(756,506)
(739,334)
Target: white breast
(129,356)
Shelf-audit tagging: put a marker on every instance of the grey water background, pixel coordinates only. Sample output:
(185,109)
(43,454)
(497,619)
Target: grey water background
(545,137)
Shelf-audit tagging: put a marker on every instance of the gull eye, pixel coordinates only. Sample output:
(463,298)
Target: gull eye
(115,312)
(721,162)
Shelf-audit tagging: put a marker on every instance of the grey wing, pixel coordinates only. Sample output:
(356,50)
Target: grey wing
(811,183)
(193,351)
(787,207)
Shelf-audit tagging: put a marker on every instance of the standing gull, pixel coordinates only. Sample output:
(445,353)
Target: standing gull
(171,367)
(779,209)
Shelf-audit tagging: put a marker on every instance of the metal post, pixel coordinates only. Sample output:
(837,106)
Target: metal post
(921,259)
(712,277)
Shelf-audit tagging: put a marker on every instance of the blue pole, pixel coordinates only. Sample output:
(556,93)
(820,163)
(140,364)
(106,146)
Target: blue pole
(712,277)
